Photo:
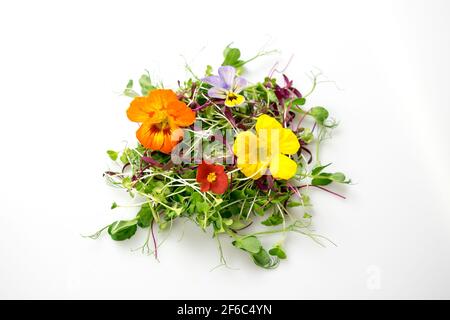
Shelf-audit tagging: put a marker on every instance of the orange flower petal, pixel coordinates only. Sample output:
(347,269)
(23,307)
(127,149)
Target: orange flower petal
(139,110)
(157,139)
(150,136)
(151,107)
(168,144)
(180,114)
(164,140)
(171,139)
(161,98)
(145,134)
(161,114)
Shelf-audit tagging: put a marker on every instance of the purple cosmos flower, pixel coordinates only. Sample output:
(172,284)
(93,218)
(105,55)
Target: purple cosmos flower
(227,86)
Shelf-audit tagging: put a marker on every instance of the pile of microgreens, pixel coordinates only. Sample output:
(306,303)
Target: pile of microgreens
(168,191)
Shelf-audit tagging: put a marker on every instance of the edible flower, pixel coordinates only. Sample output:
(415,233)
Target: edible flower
(227,86)
(162,115)
(267,149)
(212,177)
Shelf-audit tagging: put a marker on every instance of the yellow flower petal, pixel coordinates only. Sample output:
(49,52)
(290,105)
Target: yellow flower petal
(282,167)
(254,171)
(269,133)
(289,143)
(245,147)
(234,99)
(257,152)
(267,122)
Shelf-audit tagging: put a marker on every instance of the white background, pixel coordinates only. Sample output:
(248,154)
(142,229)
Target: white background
(63,65)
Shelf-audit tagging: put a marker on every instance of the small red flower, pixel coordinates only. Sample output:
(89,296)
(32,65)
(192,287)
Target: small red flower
(212,177)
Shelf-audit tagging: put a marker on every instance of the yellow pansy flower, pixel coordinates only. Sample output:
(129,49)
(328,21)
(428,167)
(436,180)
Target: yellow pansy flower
(267,149)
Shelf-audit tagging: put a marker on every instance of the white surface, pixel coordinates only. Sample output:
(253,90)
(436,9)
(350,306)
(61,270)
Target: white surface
(62,65)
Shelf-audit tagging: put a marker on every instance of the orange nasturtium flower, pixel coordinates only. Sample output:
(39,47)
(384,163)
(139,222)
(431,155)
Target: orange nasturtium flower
(162,115)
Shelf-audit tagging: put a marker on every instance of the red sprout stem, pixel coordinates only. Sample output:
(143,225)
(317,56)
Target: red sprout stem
(308,152)
(286,113)
(301,120)
(294,190)
(203,106)
(332,192)
(322,188)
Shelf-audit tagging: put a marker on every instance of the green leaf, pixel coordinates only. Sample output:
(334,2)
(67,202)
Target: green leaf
(250,244)
(122,230)
(226,50)
(319,169)
(126,182)
(237,195)
(321,181)
(130,155)
(320,114)
(250,192)
(123,157)
(208,70)
(307,135)
(306,200)
(144,216)
(129,92)
(146,84)
(164,225)
(338,177)
(114,205)
(293,204)
(196,197)
(299,102)
(159,190)
(281,199)
(258,209)
(112,154)
(264,94)
(228,222)
(202,207)
(263,259)
(177,210)
(231,56)
(238,224)
(277,251)
(307,216)
(274,220)
(218,226)
(160,157)
(227,213)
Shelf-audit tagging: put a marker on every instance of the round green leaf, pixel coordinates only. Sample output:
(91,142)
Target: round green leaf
(249,244)
(278,252)
(319,113)
(144,216)
(122,230)
(321,181)
(338,177)
(112,154)
(263,259)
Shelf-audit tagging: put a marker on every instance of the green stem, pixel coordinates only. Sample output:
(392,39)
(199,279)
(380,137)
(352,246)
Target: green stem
(260,54)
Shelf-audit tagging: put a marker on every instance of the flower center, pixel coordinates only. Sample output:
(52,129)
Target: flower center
(211,177)
(164,124)
(232,96)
